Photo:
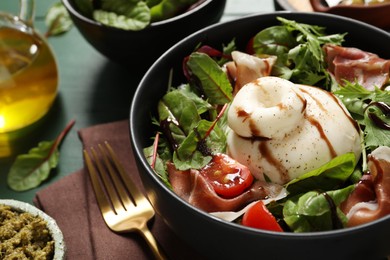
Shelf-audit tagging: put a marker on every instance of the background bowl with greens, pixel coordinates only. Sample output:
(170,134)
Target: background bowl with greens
(136,33)
(212,237)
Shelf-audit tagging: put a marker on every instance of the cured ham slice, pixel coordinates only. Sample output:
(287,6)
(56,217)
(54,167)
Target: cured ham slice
(371,198)
(191,186)
(353,64)
(246,68)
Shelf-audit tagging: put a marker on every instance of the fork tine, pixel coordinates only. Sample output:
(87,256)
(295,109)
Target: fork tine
(99,193)
(121,219)
(132,188)
(124,196)
(113,196)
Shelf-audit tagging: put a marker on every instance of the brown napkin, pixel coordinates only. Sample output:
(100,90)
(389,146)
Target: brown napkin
(71,202)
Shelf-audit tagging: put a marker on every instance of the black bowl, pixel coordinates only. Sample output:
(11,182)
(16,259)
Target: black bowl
(139,49)
(215,238)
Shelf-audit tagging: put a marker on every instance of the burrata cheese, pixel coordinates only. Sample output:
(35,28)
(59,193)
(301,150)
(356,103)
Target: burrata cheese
(282,130)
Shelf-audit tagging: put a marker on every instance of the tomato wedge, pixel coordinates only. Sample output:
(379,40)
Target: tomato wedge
(258,216)
(228,177)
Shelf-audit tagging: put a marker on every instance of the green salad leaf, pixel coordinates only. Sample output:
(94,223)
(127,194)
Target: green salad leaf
(202,105)
(31,169)
(299,50)
(127,15)
(165,9)
(132,15)
(212,78)
(182,109)
(371,109)
(314,211)
(329,176)
(195,151)
(160,167)
(192,139)
(85,7)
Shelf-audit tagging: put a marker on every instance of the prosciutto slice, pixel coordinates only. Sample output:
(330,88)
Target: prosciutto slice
(371,198)
(353,64)
(246,68)
(191,186)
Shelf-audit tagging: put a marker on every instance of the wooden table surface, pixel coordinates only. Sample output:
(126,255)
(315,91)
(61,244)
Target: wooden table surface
(92,90)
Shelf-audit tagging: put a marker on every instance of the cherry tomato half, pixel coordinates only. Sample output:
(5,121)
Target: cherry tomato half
(258,216)
(228,177)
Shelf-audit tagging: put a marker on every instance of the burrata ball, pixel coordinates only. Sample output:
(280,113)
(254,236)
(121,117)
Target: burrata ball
(282,130)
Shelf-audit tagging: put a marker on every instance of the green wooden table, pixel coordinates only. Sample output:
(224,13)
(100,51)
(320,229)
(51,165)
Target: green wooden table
(92,90)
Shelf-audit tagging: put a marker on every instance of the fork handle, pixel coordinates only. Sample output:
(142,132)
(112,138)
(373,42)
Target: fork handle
(157,250)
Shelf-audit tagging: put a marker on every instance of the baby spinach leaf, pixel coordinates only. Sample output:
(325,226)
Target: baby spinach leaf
(29,170)
(85,7)
(215,141)
(196,149)
(328,176)
(181,109)
(127,15)
(275,40)
(201,104)
(159,165)
(168,8)
(312,211)
(196,161)
(152,3)
(57,20)
(212,78)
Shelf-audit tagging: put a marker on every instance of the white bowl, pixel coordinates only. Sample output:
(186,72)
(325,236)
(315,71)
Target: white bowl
(56,233)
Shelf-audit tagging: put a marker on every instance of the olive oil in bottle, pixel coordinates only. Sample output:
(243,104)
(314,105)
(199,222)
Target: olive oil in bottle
(28,78)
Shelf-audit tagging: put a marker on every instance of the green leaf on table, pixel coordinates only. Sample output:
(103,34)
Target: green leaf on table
(31,169)
(127,15)
(57,20)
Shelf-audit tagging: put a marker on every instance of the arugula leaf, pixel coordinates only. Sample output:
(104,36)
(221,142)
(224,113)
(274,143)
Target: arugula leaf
(127,15)
(29,170)
(376,136)
(57,20)
(328,176)
(311,211)
(362,104)
(212,78)
(299,50)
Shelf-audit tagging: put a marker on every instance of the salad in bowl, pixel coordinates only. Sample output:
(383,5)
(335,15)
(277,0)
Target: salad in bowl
(283,132)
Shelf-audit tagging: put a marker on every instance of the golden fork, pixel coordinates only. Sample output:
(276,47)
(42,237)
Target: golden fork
(125,208)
